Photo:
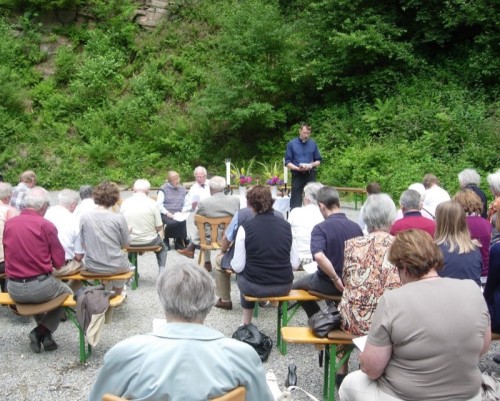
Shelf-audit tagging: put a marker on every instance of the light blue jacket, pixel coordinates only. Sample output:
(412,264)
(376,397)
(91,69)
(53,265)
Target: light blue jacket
(181,361)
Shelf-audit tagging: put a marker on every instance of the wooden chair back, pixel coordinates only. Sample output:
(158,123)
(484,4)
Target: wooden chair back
(237,394)
(216,225)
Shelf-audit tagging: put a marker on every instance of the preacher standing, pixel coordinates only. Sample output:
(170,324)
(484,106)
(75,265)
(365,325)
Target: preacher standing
(301,157)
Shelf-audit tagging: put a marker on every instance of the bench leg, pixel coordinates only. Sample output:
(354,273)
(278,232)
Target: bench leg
(283,318)
(133,258)
(331,368)
(256,309)
(85,349)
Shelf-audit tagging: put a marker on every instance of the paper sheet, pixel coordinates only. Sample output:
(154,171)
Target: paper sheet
(360,342)
(310,267)
(179,216)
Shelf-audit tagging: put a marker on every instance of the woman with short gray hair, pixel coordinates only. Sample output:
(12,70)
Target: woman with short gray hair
(182,359)
(367,271)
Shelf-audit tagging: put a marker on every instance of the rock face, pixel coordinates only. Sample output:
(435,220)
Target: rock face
(151,13)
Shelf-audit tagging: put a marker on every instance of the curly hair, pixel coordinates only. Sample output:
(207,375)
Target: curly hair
(259,199)
(106,194)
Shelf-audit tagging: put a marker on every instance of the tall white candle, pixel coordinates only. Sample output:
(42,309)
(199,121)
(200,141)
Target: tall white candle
(228,171)
(285,172)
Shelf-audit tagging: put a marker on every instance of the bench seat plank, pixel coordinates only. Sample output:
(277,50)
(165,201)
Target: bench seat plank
(80,277)
(293,295)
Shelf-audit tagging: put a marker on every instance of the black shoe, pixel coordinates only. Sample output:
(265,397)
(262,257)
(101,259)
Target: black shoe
(180,244)
(291,379)
(48,342)
(36,340)
(496,358)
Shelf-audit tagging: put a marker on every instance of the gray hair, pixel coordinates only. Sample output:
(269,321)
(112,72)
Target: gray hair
(419,187)
(68,197)
(142,185)
(5,190)
(379,212)
(36,198)
(311,192)
(329,197)
(201,169)
(86,191)
(217,184)
(467,177)
(410,200)
(494,182)
(186,291)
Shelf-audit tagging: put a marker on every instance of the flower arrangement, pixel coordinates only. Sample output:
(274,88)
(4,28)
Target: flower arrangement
(273,172)
(241,174)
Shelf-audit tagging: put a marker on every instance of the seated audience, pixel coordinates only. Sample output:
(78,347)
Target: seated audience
(371,188)
(144,221)
(263,256)
(26,182)
(183,359)
(479,227)
(462,258)
(6,213)
(87,202)
(492,289)
(303,219)
(419,187)
(173,199)
(470,179)
(434,194)
(68,232)
(367,271)
(426,337)
(216,205)
(32,251)
(494,183)
(327,248)
(104,234)
(411,205)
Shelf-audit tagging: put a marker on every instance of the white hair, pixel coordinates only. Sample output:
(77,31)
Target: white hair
(468,176)
(217,183)
(379,212)
(67,197)
(494,182)
(142,185)
(36,198)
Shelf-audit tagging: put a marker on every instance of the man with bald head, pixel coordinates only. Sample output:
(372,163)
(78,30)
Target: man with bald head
(173,198)
(144,220)
(32,251)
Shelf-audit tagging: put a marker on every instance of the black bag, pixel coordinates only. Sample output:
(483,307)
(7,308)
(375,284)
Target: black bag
(327,319)
(249,334)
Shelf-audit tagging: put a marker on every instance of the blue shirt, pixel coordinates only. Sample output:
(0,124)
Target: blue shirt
(330,236)
(462,266)
(301,152)
(181,361)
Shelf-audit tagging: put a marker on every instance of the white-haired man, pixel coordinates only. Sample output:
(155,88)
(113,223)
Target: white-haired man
(32,252)
(199,190)
(217,205)
(144,220)
(68,231)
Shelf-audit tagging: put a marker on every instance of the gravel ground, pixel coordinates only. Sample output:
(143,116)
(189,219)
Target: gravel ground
(59,375)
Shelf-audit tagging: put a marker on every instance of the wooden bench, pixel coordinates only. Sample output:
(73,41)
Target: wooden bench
(90,279)
(68,302)
(133,252)
(356,191)
(304,335)
(285,311)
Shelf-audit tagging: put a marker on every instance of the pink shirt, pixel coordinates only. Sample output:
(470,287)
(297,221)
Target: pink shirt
(31,246)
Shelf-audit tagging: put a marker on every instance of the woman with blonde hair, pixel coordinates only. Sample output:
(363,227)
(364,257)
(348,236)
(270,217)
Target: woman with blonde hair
(479,227)
(462,258)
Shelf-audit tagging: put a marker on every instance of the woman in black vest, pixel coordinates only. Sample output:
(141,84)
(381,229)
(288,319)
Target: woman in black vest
(263,256)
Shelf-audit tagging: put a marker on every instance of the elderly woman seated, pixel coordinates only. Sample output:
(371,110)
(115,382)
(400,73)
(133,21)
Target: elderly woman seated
(367,271)
(104,234)
(263,253)
(426,337)
(182,359)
